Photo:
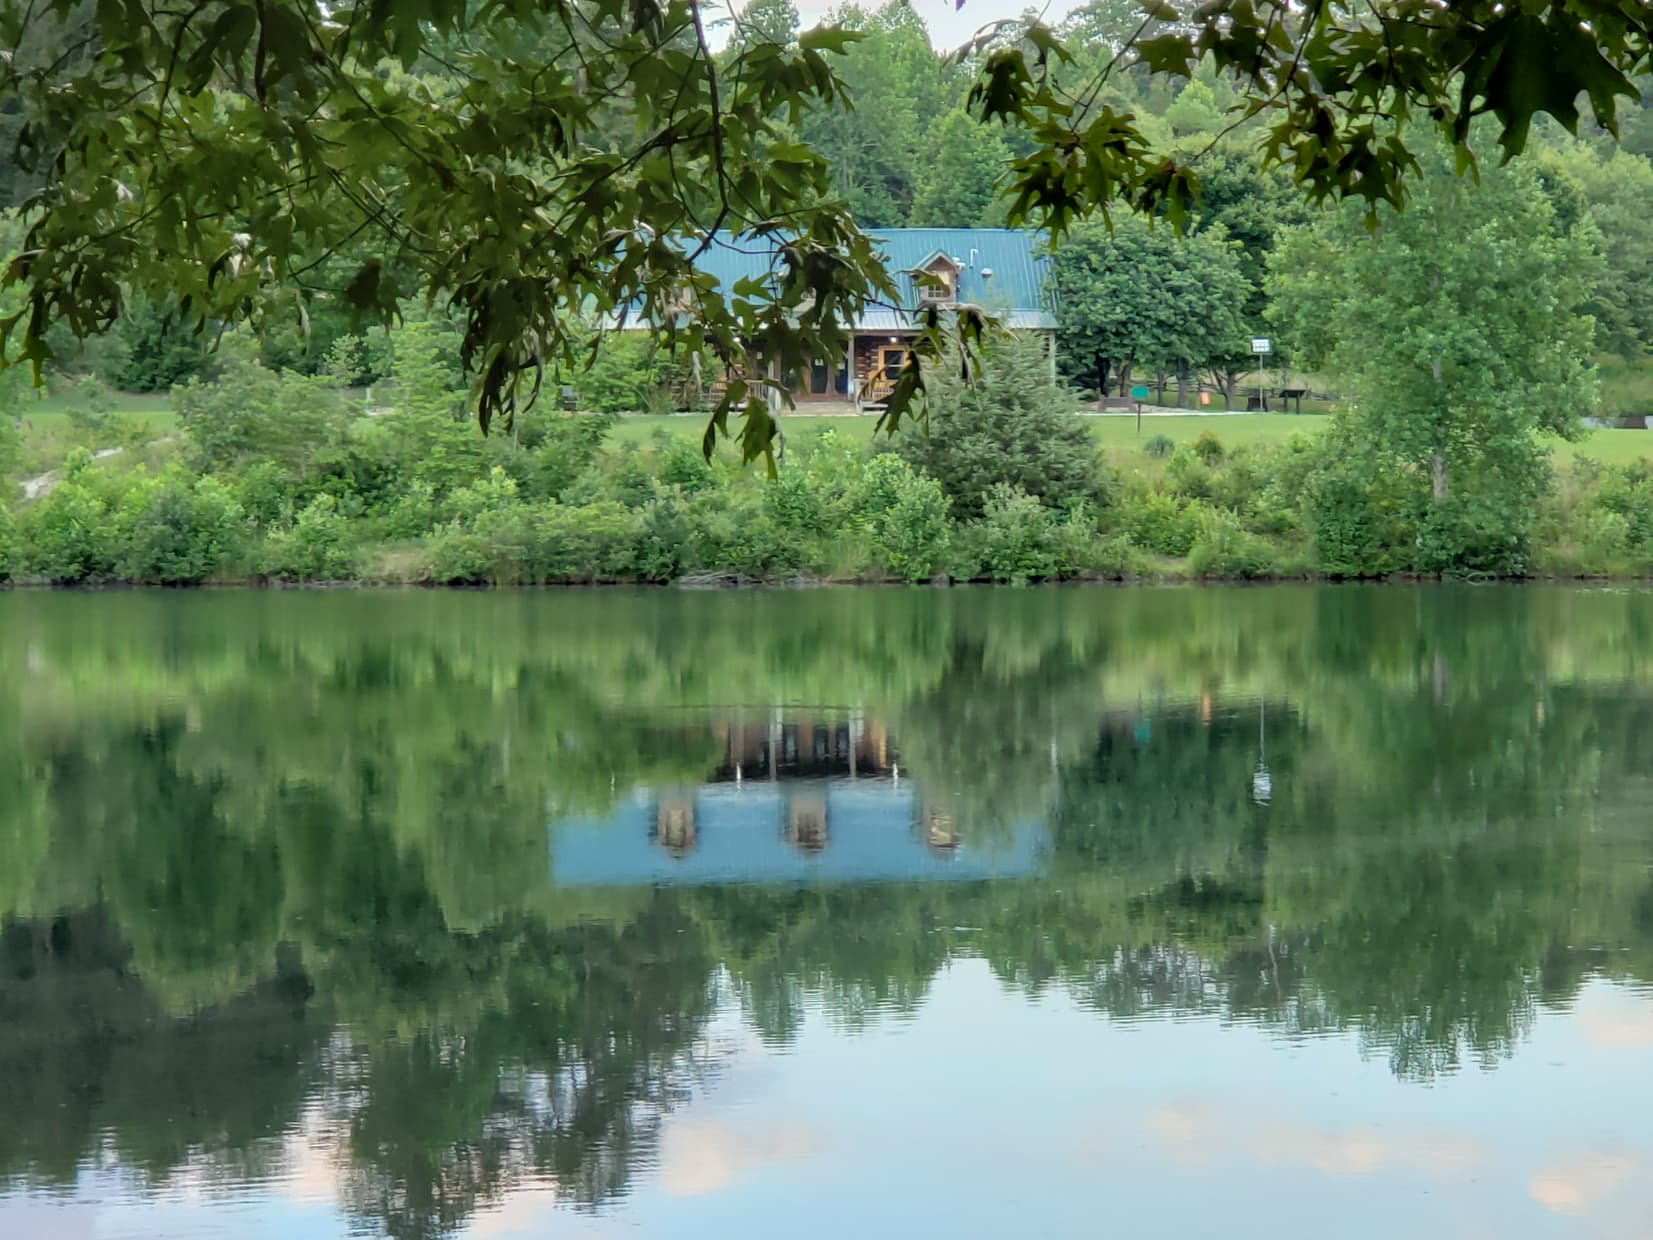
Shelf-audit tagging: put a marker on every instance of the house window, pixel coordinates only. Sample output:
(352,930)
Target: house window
(942,286)
(894,359)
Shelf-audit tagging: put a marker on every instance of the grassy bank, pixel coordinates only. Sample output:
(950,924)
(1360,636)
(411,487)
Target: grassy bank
(273,477)
(1119,436)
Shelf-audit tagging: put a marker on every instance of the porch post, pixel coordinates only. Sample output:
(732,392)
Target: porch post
(849,375)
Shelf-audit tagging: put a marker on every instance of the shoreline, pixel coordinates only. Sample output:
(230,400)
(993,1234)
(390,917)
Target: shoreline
(800,584)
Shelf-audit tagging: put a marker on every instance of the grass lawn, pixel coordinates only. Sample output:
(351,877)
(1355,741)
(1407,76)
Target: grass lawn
(49,413)
(1118,432)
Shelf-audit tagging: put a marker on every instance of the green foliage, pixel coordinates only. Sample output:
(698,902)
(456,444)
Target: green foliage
(473,160)
(1223,547)
(1361,516)
(8,543)
(1011,425)
(629,373)
(1460,324)
(265,494)
(1613,189)
(683,465)
(176,530)
(319,546)
(157,347)
(1208,448)
(959,186)
(1194,111)
(907,514)
(1016,538)
(65,538)
(247,411)
(1159,446)
(1156,521)
(563,446)
(1138,295)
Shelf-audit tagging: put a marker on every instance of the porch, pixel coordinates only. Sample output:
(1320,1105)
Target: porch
(862,381)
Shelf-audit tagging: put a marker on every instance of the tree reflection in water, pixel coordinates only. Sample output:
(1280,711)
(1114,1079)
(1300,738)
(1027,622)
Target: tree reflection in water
(274,866)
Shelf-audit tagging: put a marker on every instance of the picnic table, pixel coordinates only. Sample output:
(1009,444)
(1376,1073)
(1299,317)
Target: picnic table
(1286,396)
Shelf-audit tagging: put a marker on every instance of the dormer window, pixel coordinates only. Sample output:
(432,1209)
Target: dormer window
(941,285)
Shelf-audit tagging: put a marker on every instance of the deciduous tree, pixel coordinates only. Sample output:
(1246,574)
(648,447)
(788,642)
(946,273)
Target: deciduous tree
(1460,324)
(1134,294)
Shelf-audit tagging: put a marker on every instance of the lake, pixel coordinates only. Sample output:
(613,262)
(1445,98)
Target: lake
(969,913)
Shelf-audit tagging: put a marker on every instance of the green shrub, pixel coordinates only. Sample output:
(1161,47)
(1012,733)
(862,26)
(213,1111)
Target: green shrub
(1159,446)
(1189,474)
(735,532)
(1013,425)
(1016,538)
(1601,541)
(1628,491)
(626,375)
(173,530)
(457,556)
(594,542)
(318,547)
(627,480)
(265,494)
(665,537)
(1209,448)
(1476,534)
(8,536)
(67,537)
(494,493)
(1363,520)
(248,412)
(562,447)
(907,519)
(414,514)
(1223,547)
(1156,522)
(684,465)
(157,347)
(1113,557)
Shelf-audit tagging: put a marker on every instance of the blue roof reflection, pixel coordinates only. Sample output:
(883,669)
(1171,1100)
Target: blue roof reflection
(815,831)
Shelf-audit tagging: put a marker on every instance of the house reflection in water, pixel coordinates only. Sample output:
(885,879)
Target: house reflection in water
(832,806)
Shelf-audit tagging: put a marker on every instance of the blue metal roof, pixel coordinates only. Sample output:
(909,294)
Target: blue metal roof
(870,836)
(1019,289)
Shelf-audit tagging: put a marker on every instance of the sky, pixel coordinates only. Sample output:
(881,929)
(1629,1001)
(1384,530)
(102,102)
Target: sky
(949,26)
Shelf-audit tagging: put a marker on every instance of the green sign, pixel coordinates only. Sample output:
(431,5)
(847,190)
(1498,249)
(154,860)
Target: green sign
(1140,392)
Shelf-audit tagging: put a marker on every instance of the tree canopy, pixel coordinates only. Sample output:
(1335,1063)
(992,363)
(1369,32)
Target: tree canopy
(1461,324)
(1135,294)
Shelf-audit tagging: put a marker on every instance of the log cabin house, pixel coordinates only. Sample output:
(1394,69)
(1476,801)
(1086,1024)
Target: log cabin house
(1001,270)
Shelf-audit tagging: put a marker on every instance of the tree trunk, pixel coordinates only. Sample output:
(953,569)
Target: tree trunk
(1182,385)
(1101,379)
(1437,461)
(1437,478)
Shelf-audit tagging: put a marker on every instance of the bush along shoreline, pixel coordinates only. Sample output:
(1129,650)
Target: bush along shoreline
(278,478)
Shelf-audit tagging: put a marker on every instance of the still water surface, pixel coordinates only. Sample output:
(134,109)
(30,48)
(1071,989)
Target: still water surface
(975,914)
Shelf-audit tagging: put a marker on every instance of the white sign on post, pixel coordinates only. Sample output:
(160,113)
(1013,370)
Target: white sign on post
(1260,344)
